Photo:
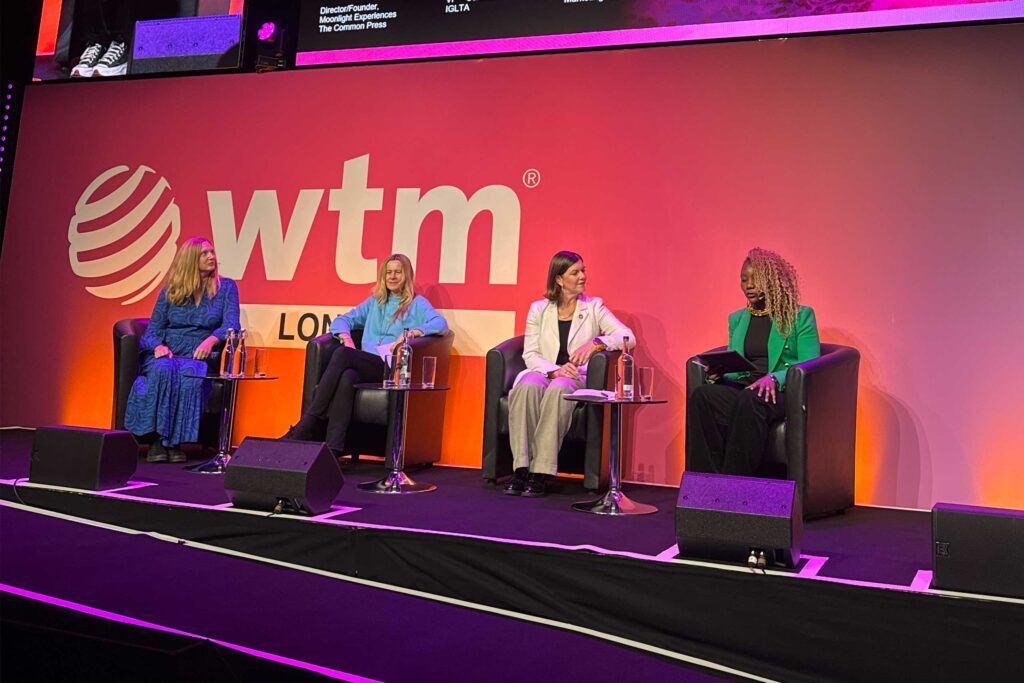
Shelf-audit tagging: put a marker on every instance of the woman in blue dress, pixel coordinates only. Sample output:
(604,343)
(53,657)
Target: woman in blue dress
(387,312)
(193,313)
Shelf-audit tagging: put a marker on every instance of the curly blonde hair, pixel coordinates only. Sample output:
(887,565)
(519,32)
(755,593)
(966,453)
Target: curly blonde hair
(777,278)
(184,281)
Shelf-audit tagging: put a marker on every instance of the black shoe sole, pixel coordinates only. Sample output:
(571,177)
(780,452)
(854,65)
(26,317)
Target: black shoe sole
(513,492)
(534,494)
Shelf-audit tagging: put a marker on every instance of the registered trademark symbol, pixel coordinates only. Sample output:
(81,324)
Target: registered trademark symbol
(531,178)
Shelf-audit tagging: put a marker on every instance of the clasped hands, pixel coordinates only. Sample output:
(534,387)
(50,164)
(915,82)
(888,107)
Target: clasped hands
(577,359)
(346,338)
(202,351)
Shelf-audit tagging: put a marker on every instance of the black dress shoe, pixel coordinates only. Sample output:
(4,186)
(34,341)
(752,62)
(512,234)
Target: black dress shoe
(517,484)
(156,452)
(536,485)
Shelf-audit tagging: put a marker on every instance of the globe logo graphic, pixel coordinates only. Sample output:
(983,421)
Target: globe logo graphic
(125,240)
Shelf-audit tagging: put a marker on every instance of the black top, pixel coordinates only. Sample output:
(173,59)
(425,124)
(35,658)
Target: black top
(563,342)
(755,345)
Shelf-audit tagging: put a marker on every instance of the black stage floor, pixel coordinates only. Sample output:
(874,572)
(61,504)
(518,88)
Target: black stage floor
(858,606)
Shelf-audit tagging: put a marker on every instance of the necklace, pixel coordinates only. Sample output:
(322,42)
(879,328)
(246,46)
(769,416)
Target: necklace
(758,312)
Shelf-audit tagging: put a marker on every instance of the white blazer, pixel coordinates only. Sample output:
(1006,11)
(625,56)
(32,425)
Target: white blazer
(592,319)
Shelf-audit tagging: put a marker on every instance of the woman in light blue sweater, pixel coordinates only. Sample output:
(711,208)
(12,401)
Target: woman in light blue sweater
(387,312)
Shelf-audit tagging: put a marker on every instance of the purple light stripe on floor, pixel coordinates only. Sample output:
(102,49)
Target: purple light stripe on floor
(120,618)
(812,566)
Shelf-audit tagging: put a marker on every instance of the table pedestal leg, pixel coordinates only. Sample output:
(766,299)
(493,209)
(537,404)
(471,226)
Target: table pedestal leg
(397,481)
(218,463)
(615,502)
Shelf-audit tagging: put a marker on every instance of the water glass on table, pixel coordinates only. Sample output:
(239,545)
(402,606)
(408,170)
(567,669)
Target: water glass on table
(429,370)
(645,377)
(261,357)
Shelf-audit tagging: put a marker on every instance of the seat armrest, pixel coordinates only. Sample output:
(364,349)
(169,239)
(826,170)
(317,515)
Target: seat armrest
(821,425)
(695,373)
(127,333)
(601,369)
(504,363)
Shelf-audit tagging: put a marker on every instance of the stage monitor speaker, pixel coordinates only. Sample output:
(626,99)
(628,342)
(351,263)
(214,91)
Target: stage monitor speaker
(978,550)
(187,44)
(297,477)
(721,517)
(83,458)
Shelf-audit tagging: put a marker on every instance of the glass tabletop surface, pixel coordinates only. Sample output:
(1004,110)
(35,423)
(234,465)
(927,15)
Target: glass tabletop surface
(619,401)
(235,377)
(411,387)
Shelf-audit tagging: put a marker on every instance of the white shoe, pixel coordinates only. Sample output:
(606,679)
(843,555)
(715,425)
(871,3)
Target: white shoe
(87,62)
(114,61)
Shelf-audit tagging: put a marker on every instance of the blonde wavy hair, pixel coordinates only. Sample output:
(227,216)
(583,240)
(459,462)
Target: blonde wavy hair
(184,281)
(777,278)
(380,290)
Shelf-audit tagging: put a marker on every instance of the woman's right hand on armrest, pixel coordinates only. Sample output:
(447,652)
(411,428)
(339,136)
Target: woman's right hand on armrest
(161,351)
(346,340)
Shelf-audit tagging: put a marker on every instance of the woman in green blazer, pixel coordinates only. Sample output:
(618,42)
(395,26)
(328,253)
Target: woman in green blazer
(727,419)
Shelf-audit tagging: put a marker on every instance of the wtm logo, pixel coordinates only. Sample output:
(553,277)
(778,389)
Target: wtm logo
(111,218)
(135,270)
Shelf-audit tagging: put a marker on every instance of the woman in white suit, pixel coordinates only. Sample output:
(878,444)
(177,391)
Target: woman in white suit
(563,330)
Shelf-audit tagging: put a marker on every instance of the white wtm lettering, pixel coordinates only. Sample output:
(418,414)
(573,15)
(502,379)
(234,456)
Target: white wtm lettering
(282,250)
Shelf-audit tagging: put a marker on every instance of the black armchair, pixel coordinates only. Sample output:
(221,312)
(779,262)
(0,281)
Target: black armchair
(814,446)
(368,433)
(127,333)
(582,447)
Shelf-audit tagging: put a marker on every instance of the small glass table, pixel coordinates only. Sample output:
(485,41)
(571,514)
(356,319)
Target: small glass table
(615,502)
(397,481)
(218,463)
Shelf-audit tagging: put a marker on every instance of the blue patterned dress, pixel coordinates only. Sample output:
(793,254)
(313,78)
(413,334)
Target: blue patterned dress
(162,399)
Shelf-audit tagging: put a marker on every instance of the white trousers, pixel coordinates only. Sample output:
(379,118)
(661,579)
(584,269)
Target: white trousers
(538,420)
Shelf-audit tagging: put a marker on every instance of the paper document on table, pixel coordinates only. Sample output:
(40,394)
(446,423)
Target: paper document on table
(594,393)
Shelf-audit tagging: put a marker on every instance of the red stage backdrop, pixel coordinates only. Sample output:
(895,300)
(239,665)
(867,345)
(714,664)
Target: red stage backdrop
(887,167)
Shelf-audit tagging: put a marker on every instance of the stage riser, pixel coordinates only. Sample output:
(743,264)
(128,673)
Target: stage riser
(757,623)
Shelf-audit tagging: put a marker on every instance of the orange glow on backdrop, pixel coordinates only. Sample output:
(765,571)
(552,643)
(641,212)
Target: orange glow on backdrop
(880,168)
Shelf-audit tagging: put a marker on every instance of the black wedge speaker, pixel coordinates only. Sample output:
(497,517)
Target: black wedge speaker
(297,477)
(721,517)
(83,458)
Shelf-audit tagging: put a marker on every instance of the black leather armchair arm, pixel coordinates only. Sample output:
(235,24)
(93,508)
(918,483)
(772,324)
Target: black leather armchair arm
(126,364)
(504,363)
(821,426)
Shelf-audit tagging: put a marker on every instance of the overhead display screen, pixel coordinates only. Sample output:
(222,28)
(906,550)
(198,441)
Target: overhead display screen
(343,32)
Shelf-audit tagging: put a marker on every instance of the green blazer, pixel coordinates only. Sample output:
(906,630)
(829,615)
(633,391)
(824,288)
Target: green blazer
(801,345)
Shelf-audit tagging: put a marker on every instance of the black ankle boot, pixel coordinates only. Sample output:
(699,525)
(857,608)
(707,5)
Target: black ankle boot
(156,452)
(303,430)
(517,484)
(536,485)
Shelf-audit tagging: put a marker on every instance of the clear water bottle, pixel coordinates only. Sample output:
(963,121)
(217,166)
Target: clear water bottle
(624,373)
(240,354)
(401,362)
(227,354)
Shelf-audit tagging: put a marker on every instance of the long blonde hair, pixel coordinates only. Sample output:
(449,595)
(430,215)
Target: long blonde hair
(777,278)
(380,290)
(184,281)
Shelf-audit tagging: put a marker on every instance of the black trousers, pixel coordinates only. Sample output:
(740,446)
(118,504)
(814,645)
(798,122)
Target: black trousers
(727,428)
(106,20)
(335,393)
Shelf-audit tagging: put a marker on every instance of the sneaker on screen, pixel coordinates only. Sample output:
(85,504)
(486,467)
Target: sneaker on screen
(87,62)
(114,61)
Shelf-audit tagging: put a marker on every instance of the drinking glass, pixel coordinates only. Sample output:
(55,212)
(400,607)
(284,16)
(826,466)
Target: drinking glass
(260,360)
(646,378)
(429,370)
